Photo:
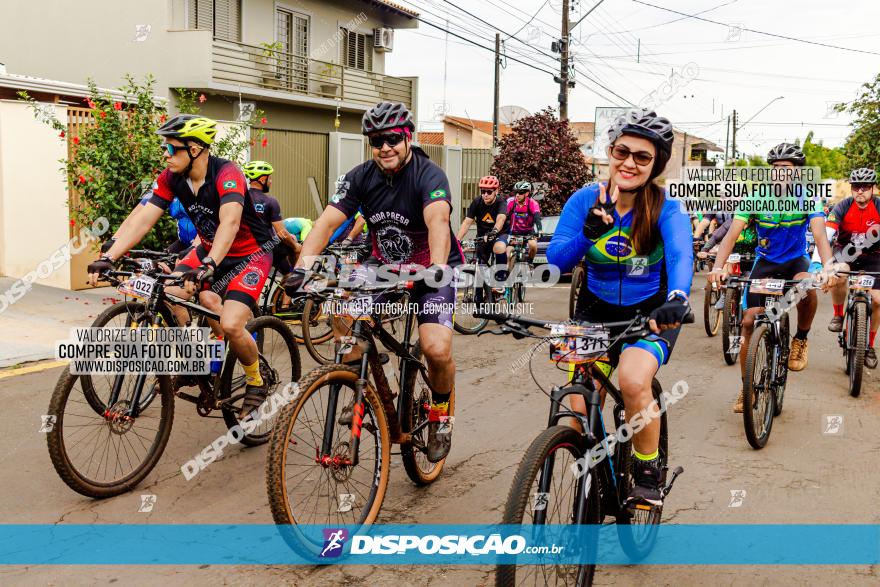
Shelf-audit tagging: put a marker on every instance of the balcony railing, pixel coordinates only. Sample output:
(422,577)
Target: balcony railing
(255,67)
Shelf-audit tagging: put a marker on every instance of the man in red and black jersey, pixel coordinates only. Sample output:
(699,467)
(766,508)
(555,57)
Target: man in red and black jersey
(214,194)
(853,228)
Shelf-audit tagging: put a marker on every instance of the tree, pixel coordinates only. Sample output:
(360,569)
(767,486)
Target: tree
(115,159)
(542,149)
(832,162)
(862,147)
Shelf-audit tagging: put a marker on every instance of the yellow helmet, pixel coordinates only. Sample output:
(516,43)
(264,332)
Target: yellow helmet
(256,169)
(191,127)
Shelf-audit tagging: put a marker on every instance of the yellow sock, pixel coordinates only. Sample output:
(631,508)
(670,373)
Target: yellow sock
(252,374)
(650,457)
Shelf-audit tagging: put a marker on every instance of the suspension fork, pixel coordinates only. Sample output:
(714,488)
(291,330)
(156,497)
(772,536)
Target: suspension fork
(333,399)
(141,378)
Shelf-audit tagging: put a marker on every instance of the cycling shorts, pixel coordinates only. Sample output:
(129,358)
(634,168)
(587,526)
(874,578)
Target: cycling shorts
(236,278)
(597,310)
(764,269)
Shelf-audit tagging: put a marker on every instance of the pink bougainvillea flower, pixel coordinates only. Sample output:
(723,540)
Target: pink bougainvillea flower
(202,98)
(265,142)
(89,102)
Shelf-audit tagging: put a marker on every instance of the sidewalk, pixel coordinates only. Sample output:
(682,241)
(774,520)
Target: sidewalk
(30,327)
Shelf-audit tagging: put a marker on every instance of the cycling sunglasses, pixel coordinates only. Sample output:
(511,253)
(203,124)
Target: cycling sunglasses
(172,149)
(392,138)
(862,187)
(520,192)
(621,153)
(487,192)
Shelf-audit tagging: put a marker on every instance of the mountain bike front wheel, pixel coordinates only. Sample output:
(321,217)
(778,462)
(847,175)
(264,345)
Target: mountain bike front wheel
(758,396)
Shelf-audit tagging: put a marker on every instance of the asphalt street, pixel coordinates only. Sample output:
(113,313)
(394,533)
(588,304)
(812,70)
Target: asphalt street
(804,475)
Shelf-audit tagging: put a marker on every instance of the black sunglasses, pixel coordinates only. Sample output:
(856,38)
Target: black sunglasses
(487,192)
(520,192)
(861,187)
(392,138)
(621,153)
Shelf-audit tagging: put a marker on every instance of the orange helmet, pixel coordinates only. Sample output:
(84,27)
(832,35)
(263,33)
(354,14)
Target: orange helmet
(490,182)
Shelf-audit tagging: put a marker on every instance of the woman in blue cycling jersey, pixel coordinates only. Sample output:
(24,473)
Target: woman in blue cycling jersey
(638,257)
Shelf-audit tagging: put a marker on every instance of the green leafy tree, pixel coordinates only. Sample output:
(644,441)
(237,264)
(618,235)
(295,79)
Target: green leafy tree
(833,162)
(542,149)
(862,147)
(115,159)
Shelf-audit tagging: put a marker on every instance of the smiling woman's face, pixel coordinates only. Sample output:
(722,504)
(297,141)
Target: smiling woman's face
(626,174)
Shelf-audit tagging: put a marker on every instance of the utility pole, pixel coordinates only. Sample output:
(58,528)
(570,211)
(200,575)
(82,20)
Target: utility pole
(563,64)
(497,89)
(727,141)
(733,153)
(684,145)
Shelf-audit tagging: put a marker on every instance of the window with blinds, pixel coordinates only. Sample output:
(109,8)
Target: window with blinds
(357,50)
(223,17)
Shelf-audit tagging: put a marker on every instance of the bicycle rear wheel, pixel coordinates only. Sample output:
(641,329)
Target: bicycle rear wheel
(466,300)
(415,403)
(857,342)
(758,396)
(781,382)
(730,330)
(554,450)
(637,532)
(105,453)
(317,327)
(306,487)
(279,367)
(577,278)
(711,315)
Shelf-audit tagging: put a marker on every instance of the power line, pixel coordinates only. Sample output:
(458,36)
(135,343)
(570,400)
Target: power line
(528,22)
(778,36)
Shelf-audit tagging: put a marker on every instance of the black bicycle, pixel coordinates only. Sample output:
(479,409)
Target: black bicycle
(477,289)
(110,430)
(853,339)
(732,311)
(553,484)
(766,370)
(520,270)
(330,453)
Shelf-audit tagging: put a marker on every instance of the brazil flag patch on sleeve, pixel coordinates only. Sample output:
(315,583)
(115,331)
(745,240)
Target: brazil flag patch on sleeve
(230,185)
(438,194)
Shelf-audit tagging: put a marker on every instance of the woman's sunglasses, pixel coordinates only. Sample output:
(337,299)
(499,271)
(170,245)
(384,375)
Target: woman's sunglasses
(621,153)
(393,139)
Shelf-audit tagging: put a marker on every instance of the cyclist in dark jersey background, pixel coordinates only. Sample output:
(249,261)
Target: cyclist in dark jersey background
(269,210)
(848,226)
(405,199)
(781,254)
(214,194)
(489,213)
(638,257)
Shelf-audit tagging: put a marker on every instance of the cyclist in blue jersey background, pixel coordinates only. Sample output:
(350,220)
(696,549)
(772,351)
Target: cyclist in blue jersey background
(638,256)
(781,254)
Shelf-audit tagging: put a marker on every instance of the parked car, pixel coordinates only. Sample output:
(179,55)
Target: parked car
(548,227)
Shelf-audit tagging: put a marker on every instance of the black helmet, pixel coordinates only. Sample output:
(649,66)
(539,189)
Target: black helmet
(863,175)
(644,123)
(787,152)
(387,115)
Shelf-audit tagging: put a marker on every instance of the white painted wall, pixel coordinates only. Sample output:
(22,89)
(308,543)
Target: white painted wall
(34,219)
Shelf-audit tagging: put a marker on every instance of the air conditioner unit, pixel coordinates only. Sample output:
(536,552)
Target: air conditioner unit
(383,40)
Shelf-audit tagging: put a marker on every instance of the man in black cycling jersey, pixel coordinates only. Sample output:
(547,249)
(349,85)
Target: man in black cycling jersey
(489,212)
(406,202)
(214,194)
(259,173)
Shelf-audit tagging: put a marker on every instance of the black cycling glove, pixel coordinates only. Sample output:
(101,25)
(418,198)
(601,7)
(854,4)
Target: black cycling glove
(100,266)
(108,244)
(202,274)
(594,226)
(672,312)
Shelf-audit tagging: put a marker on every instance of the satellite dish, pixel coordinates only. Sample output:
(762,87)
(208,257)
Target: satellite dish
(510,114)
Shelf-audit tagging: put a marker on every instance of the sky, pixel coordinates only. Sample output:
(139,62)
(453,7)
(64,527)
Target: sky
(625,50)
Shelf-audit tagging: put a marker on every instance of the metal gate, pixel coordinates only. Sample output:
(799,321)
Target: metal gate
(296,156)
(475,163)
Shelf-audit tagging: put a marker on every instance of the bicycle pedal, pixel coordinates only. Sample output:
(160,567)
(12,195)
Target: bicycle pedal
(675,473)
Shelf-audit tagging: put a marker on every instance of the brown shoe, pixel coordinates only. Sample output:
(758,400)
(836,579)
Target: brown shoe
(738,406)
(797,360)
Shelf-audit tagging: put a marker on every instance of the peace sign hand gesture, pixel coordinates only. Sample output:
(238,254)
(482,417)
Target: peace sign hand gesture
(600,216)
